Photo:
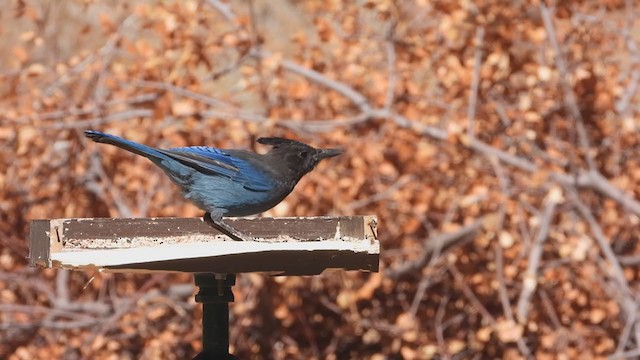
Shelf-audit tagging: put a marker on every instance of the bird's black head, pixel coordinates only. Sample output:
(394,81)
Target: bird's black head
(298,157)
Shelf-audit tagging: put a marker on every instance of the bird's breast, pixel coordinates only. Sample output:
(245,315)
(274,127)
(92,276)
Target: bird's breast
(232,198)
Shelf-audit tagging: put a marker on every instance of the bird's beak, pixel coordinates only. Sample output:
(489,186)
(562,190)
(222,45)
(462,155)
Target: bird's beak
(328,153)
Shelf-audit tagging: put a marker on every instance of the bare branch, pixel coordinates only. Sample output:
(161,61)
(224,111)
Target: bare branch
(402,181)
(502,284)
(224,10)
(587,179)
(530,275)
(475,83)
(599,183)
(631,354)
(102,52)
(486,315)
(602,241)
(571,102)
(623,105)
(392,75)
(442,241)
(345,90)
(626,297)
(424,284)
(548,304)
(205,99)
(58,114)
(97,121)
(440,328)
(504,297)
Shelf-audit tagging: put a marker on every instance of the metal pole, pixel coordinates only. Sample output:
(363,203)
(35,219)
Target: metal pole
(215,295)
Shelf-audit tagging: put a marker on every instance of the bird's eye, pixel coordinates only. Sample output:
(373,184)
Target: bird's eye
(304,154)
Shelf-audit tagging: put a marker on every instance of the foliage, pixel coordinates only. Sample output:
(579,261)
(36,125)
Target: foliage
(497,144)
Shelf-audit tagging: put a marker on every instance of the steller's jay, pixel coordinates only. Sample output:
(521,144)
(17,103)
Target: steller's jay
(230,182)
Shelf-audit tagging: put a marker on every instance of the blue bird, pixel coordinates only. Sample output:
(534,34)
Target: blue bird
(230,182)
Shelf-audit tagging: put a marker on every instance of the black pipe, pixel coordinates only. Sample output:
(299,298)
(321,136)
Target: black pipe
(215,295)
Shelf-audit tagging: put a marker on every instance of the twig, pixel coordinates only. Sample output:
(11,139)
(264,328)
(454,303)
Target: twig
(486,315)
(630,322)
(57,114)
(97,121)
(571,103)
(502,113)
(62,286)
(603,242)
(582,178)
(107,55)
(345,90)
(103,51)
(225,11)
(97,170)
(125,306)
(424,284)
(77,319)
(231,112)
(326,125)
(622,106)
(550,309)
(627,302)
(205,99)
(440,329)
(402,181)
(443,241)
(475,83)
(502,284)
(530,275)
(599,183)
(631,354)
(257,46)
(630,260)
(239,115)
(587,179)
(392,75)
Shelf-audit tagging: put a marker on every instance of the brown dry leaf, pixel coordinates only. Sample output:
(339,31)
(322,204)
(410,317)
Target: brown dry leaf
(20,54)
(484,334)
(106,23)
(605,346)
(409,326)
(505,239)
(508,331)
(182,108)
(345,299)
(373,283)
(370,337)
(429,351)
(35,69)
(51,86)
(156,313)
(456,346)
(597,315)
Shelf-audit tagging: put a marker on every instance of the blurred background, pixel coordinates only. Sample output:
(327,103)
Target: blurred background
(498,142)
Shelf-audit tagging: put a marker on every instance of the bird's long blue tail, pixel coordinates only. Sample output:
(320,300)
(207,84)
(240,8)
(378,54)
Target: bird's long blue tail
(143,150)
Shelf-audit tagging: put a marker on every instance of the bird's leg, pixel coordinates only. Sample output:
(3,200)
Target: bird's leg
(215,220)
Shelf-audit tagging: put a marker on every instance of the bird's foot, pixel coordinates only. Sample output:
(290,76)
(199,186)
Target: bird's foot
(226,229)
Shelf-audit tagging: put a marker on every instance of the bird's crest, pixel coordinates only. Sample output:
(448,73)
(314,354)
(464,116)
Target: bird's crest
(277,141)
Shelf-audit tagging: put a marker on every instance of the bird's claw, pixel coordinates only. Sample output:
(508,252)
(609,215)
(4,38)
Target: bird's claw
(226,229)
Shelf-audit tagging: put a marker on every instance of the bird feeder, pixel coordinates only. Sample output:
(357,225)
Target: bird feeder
(282,246)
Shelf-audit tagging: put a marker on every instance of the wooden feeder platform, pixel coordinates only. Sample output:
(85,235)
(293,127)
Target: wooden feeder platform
(282,246)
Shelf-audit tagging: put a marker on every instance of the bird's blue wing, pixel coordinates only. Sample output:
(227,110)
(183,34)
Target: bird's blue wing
(216,161)
(206,159)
